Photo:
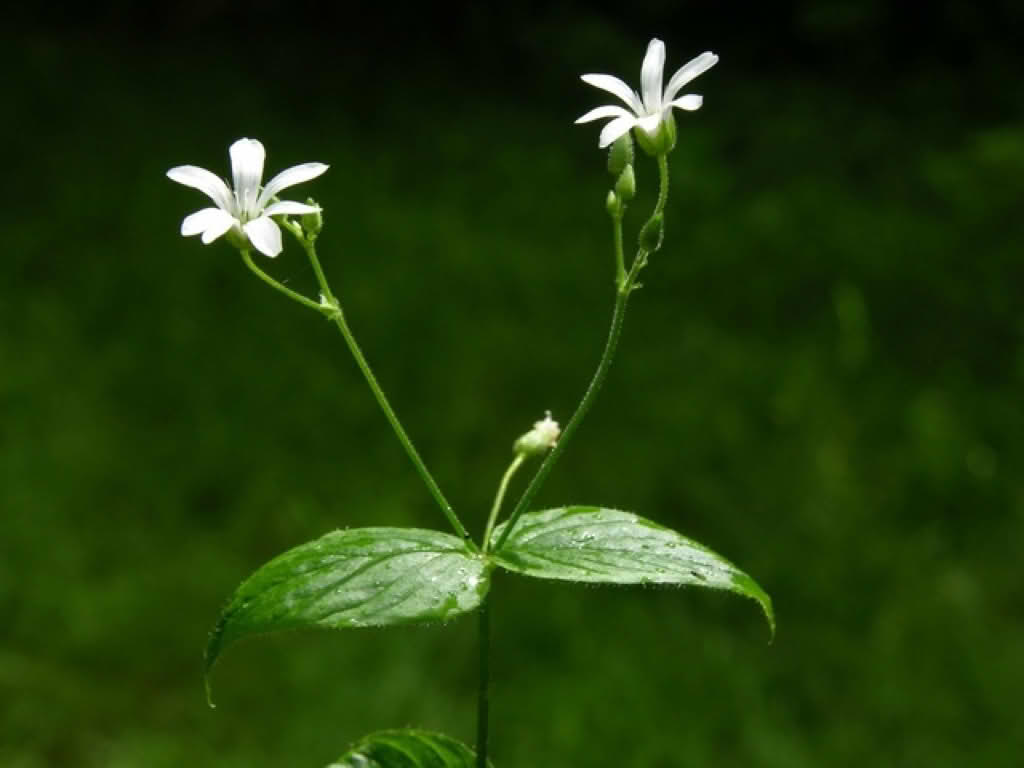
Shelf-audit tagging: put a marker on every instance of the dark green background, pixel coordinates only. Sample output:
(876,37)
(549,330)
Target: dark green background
(821,378)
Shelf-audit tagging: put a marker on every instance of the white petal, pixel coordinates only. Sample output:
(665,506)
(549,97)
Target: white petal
(205,182)
(650,75)
(614,129)
(650,123)
(264,235)
(218,228)
(205,220)
(289,206)
(688,71)
(689,102)
(247,156)
(597,114)
(615,86)
(290,177)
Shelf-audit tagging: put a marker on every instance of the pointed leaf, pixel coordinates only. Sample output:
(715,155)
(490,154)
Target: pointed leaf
(606,546)
(407,749)
(363,577)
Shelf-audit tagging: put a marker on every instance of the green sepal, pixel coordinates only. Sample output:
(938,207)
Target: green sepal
(407,749)
(608,546)
(662,141)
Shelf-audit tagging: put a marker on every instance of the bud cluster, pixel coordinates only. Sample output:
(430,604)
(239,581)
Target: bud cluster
(620,166)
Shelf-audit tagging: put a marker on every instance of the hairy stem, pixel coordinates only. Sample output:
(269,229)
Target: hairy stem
(620,260)
(662,184)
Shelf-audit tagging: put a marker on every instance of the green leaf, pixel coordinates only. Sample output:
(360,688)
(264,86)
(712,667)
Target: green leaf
(607,546)
(407,749)
(363,577)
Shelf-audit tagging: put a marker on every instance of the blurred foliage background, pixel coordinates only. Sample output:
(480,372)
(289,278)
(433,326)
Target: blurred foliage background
(821,378)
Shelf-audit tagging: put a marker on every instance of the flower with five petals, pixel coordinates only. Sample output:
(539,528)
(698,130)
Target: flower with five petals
(245,211)
(653,112)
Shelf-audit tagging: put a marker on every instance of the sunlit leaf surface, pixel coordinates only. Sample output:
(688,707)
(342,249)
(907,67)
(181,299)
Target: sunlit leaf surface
(607,546)
(364,577)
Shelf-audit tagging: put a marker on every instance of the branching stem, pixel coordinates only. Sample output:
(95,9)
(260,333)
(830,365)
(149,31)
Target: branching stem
(295,296)
(622,293)
(330,307)
(339,320)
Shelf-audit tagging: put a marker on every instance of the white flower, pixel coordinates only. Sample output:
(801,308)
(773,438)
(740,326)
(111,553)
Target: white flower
(244,210)
(541,438)
(656,106)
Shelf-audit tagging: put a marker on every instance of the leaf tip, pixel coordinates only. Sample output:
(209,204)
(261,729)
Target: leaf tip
(210,656)
(209,691)
(765,602)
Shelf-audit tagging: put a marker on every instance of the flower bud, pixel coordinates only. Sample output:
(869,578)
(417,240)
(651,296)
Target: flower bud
(621,154)
(652,233)
(540,439)
(312,223)
(613,204)
(662,140)
(625,187)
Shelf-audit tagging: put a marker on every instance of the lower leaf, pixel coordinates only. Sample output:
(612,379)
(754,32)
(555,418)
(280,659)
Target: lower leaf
(360,577)
(407,749)
(607,546)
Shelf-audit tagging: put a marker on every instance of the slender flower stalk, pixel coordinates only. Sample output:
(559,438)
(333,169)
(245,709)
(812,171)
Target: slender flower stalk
(618,315)
(652,108)
(293,295)
(330,306)
(496,507)
(623,291)
(244,212)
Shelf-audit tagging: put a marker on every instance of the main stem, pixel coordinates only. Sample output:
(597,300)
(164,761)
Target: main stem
(483,701)
(338,317)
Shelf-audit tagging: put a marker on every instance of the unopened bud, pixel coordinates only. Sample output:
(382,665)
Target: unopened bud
(652,233)
(621,154)
(312,223)
(625,187)
(540,439)
(613,204)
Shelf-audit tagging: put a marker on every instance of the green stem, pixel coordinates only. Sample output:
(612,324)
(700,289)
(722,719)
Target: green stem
(484,695)
(331,308)
(662,184)
(499,497)
(618,315)
(620,259)
(403,438)
(625,288)
(306,302)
